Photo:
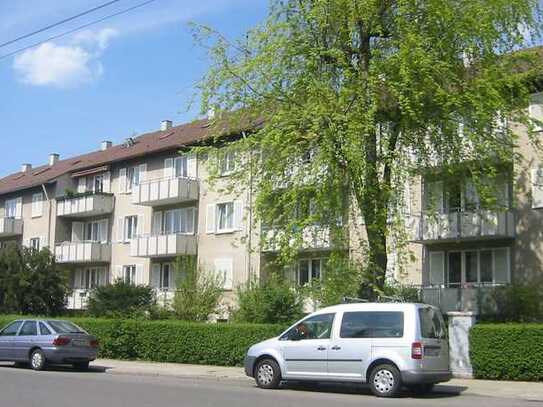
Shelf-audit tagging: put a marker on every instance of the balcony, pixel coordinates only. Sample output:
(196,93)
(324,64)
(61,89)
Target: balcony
(83,252)
(165,191)
(11,227)
(77,299)
(460,225)
(170,245)
(475,298)
(314,237)
(86,205)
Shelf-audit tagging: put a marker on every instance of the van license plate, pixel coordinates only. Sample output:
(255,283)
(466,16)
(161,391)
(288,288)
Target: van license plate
(432,351)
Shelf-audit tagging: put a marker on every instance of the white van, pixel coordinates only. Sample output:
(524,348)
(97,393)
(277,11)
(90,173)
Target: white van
(388,345)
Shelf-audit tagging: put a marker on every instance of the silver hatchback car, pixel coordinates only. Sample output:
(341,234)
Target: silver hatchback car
(387,345)
(42,342)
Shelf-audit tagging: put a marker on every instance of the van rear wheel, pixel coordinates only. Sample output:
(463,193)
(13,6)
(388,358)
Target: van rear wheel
(385,381)
(267,374)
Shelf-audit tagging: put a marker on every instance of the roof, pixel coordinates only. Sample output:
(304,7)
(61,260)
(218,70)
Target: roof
(153,142)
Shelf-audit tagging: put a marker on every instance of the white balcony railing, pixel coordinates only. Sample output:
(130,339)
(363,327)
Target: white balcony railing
(77,299)
(476,298)
(11,227)
(163,245)
(85,205)
(314,237)
(469,225)
(165,191)
(83,252)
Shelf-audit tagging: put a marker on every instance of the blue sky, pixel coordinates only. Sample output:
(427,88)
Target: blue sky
(114,79)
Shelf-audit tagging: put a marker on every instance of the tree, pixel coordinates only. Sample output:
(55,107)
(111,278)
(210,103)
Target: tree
(30,282)
(342,100)
(121,300)
(198,292)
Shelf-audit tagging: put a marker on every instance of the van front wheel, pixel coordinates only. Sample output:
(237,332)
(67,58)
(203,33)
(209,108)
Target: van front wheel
(385,381)
(267,374)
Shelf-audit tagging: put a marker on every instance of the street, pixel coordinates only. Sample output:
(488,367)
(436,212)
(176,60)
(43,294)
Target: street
(60,387)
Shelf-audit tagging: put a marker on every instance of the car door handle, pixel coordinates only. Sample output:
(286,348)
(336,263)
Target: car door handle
(336,347)
(321,348)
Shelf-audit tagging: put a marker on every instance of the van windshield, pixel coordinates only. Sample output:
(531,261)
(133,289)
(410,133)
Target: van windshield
(431,324)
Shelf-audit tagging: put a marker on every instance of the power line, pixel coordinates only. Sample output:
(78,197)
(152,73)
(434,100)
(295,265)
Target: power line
(81,27)
(58,23)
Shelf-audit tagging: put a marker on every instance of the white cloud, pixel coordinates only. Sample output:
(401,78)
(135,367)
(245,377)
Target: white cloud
(64,66)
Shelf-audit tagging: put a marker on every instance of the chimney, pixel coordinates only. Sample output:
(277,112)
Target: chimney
(26,167)
(165,125)
(53,158)
(105,145)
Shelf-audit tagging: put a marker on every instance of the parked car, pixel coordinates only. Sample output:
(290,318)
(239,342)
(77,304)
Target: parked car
(47,341)
(388,345)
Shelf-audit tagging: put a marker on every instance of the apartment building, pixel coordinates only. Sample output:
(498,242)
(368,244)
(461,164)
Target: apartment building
(127,211)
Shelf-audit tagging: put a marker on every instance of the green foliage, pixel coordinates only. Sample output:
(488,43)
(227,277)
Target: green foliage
(401,292)
(507,351)
(173,341)
(351,97)
(30,282)
(518,302)
(120,299)
(198,291)
(272,301)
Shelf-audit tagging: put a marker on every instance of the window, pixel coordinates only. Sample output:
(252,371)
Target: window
(91,278)
(181,167)
(43,329)
(95,183)
(35,243)
(11,329)
(165,276)
(372,325)
(132,178)
(227,163)
(37,205)
(309,270)
(11,208)
(96,231)
(225,216)
(129,274)
(316,327)
(29,328)
(178,221)
(455,268)
(130,227)
(431,324)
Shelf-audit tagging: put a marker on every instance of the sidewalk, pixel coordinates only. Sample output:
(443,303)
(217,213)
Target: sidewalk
(510,390)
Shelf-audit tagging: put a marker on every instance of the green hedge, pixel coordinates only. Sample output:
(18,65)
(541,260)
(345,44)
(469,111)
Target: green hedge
(507,351)
(173,341)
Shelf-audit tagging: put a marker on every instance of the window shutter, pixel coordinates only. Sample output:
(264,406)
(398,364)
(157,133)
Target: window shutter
(118,273)
(190,219)
(537,187)
(78,231)
(238,215)
(155,276)
(78,277)
(122,180)
(437,268)
(19,208)
(501,265)
(43,242)
(143,172)
(157,223)
(102,276)
(120,230)
(434,196)
(139,274)
(168,168)
(210,218)
(37,205)
(106,181)
(102,231)
(140,230)
(82,184)
(192,169)
(224,268)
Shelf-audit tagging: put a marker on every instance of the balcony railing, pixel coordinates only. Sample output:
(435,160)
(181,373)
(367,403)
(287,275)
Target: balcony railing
(85,205)
(11,227)
(468,225)
(165,191)
(475,298)
(77,299)
(83,252)
(167,245)
(314,237)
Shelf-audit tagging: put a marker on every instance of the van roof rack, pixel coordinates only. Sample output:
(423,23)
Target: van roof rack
(352,300)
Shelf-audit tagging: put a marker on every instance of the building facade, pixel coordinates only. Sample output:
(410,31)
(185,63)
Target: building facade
(127,211)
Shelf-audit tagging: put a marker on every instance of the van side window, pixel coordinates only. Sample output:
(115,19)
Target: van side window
(372,325)
(316,327)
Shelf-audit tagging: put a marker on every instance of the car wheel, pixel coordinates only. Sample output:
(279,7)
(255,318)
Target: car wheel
(421,389)
(37,360)
(385,381)
(267,374)
(81,366)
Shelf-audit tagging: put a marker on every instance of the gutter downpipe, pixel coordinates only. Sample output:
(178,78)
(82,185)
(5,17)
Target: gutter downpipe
(49,215)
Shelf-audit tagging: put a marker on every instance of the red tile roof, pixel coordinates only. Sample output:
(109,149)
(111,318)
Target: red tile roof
(154,142)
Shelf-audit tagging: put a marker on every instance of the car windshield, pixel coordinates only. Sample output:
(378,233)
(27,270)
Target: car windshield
(65,327)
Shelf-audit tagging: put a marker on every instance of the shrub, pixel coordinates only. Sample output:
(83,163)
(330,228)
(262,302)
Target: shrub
(173,341)
(515,303)
(120,299)
(507,351)
(198,292)
(273,301)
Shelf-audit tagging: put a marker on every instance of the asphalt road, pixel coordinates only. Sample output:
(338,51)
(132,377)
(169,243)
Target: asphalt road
(62,387)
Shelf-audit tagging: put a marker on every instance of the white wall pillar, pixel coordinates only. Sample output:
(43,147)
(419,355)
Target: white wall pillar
(460,324)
